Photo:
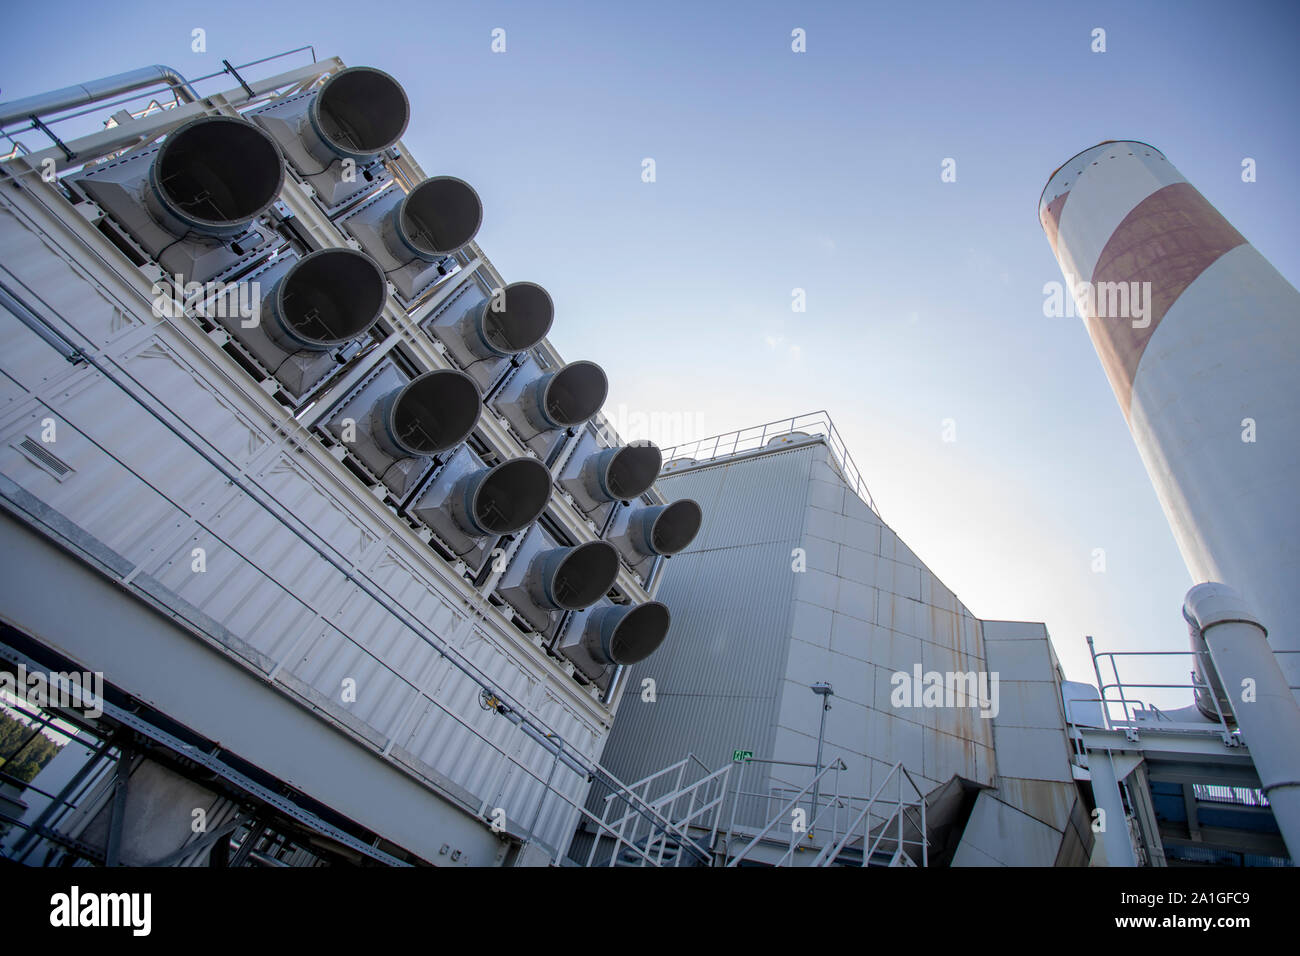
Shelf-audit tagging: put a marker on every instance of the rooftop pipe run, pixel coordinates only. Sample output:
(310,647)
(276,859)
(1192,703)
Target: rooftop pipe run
(92,92)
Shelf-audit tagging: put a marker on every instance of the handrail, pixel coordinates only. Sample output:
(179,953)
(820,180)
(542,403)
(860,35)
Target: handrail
(836,764)
(832,850)
(1129,705)
(815,424)
(666,827)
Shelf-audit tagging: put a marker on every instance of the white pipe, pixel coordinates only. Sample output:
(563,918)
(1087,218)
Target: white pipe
(1264,706)
(84,94)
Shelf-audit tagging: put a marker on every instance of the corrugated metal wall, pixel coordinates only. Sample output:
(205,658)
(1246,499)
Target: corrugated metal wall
(718,676)
(760,623)
(267,597)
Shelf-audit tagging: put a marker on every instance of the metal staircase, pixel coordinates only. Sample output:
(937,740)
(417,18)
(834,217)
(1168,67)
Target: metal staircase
(674,817)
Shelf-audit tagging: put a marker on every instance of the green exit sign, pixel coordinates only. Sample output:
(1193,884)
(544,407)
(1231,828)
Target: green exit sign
(739,755)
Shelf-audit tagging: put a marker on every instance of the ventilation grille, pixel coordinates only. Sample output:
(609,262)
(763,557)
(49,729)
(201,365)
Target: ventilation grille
(43,459)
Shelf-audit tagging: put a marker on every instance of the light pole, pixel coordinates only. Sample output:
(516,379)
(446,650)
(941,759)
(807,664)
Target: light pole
(823,690)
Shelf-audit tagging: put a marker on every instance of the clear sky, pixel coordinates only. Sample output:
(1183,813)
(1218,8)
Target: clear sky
(820,170)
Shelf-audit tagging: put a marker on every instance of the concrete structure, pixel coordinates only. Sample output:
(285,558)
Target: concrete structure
(794,579)
(1200,338)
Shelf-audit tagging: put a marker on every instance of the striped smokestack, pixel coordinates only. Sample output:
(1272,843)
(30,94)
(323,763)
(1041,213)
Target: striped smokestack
(1204,361)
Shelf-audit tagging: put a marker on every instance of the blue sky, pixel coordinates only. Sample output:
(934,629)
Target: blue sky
(820,171)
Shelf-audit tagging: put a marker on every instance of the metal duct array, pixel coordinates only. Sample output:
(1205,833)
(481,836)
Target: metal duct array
(203,204)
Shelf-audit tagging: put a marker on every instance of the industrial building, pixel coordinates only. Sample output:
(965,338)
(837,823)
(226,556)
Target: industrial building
(292,471)
(318,553)
(807,637)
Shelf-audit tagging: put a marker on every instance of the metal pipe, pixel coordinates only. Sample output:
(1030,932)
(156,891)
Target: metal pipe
(824,691)
(1269,717)
(508,322)
(431,413)
(664,529)
(626,634)
(572,578)
(117,818)
(84,94)
(621,473)
(501,499)
(325,299)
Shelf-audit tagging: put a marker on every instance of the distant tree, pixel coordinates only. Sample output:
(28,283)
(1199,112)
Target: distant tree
(24,763)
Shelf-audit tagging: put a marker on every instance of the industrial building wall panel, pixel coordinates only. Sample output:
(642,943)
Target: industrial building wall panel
(62,290)
(268,598)
(853,607)
(717,678)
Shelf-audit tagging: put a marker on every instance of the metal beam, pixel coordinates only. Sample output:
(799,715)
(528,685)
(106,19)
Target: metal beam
(116,820)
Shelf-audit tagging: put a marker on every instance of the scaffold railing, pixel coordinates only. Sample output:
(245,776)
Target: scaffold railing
(756,437)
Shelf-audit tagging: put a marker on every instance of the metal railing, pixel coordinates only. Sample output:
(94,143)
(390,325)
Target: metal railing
(886,822)
(1134,711)
(790,805)
(162,87)
(892,814)
(1122,710)
(682,805)
(812,424)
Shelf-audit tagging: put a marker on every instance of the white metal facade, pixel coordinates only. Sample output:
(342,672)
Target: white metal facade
(754,633)
(314,585)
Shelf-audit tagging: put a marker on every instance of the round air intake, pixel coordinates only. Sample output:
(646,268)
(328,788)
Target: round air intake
(523,321)
(502,499)
(325,299)
(665,529)
(213,176)
(360,112)
(568,396)
(621,474)
(622,634)
(573,578)
(431,413)
(437,217)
